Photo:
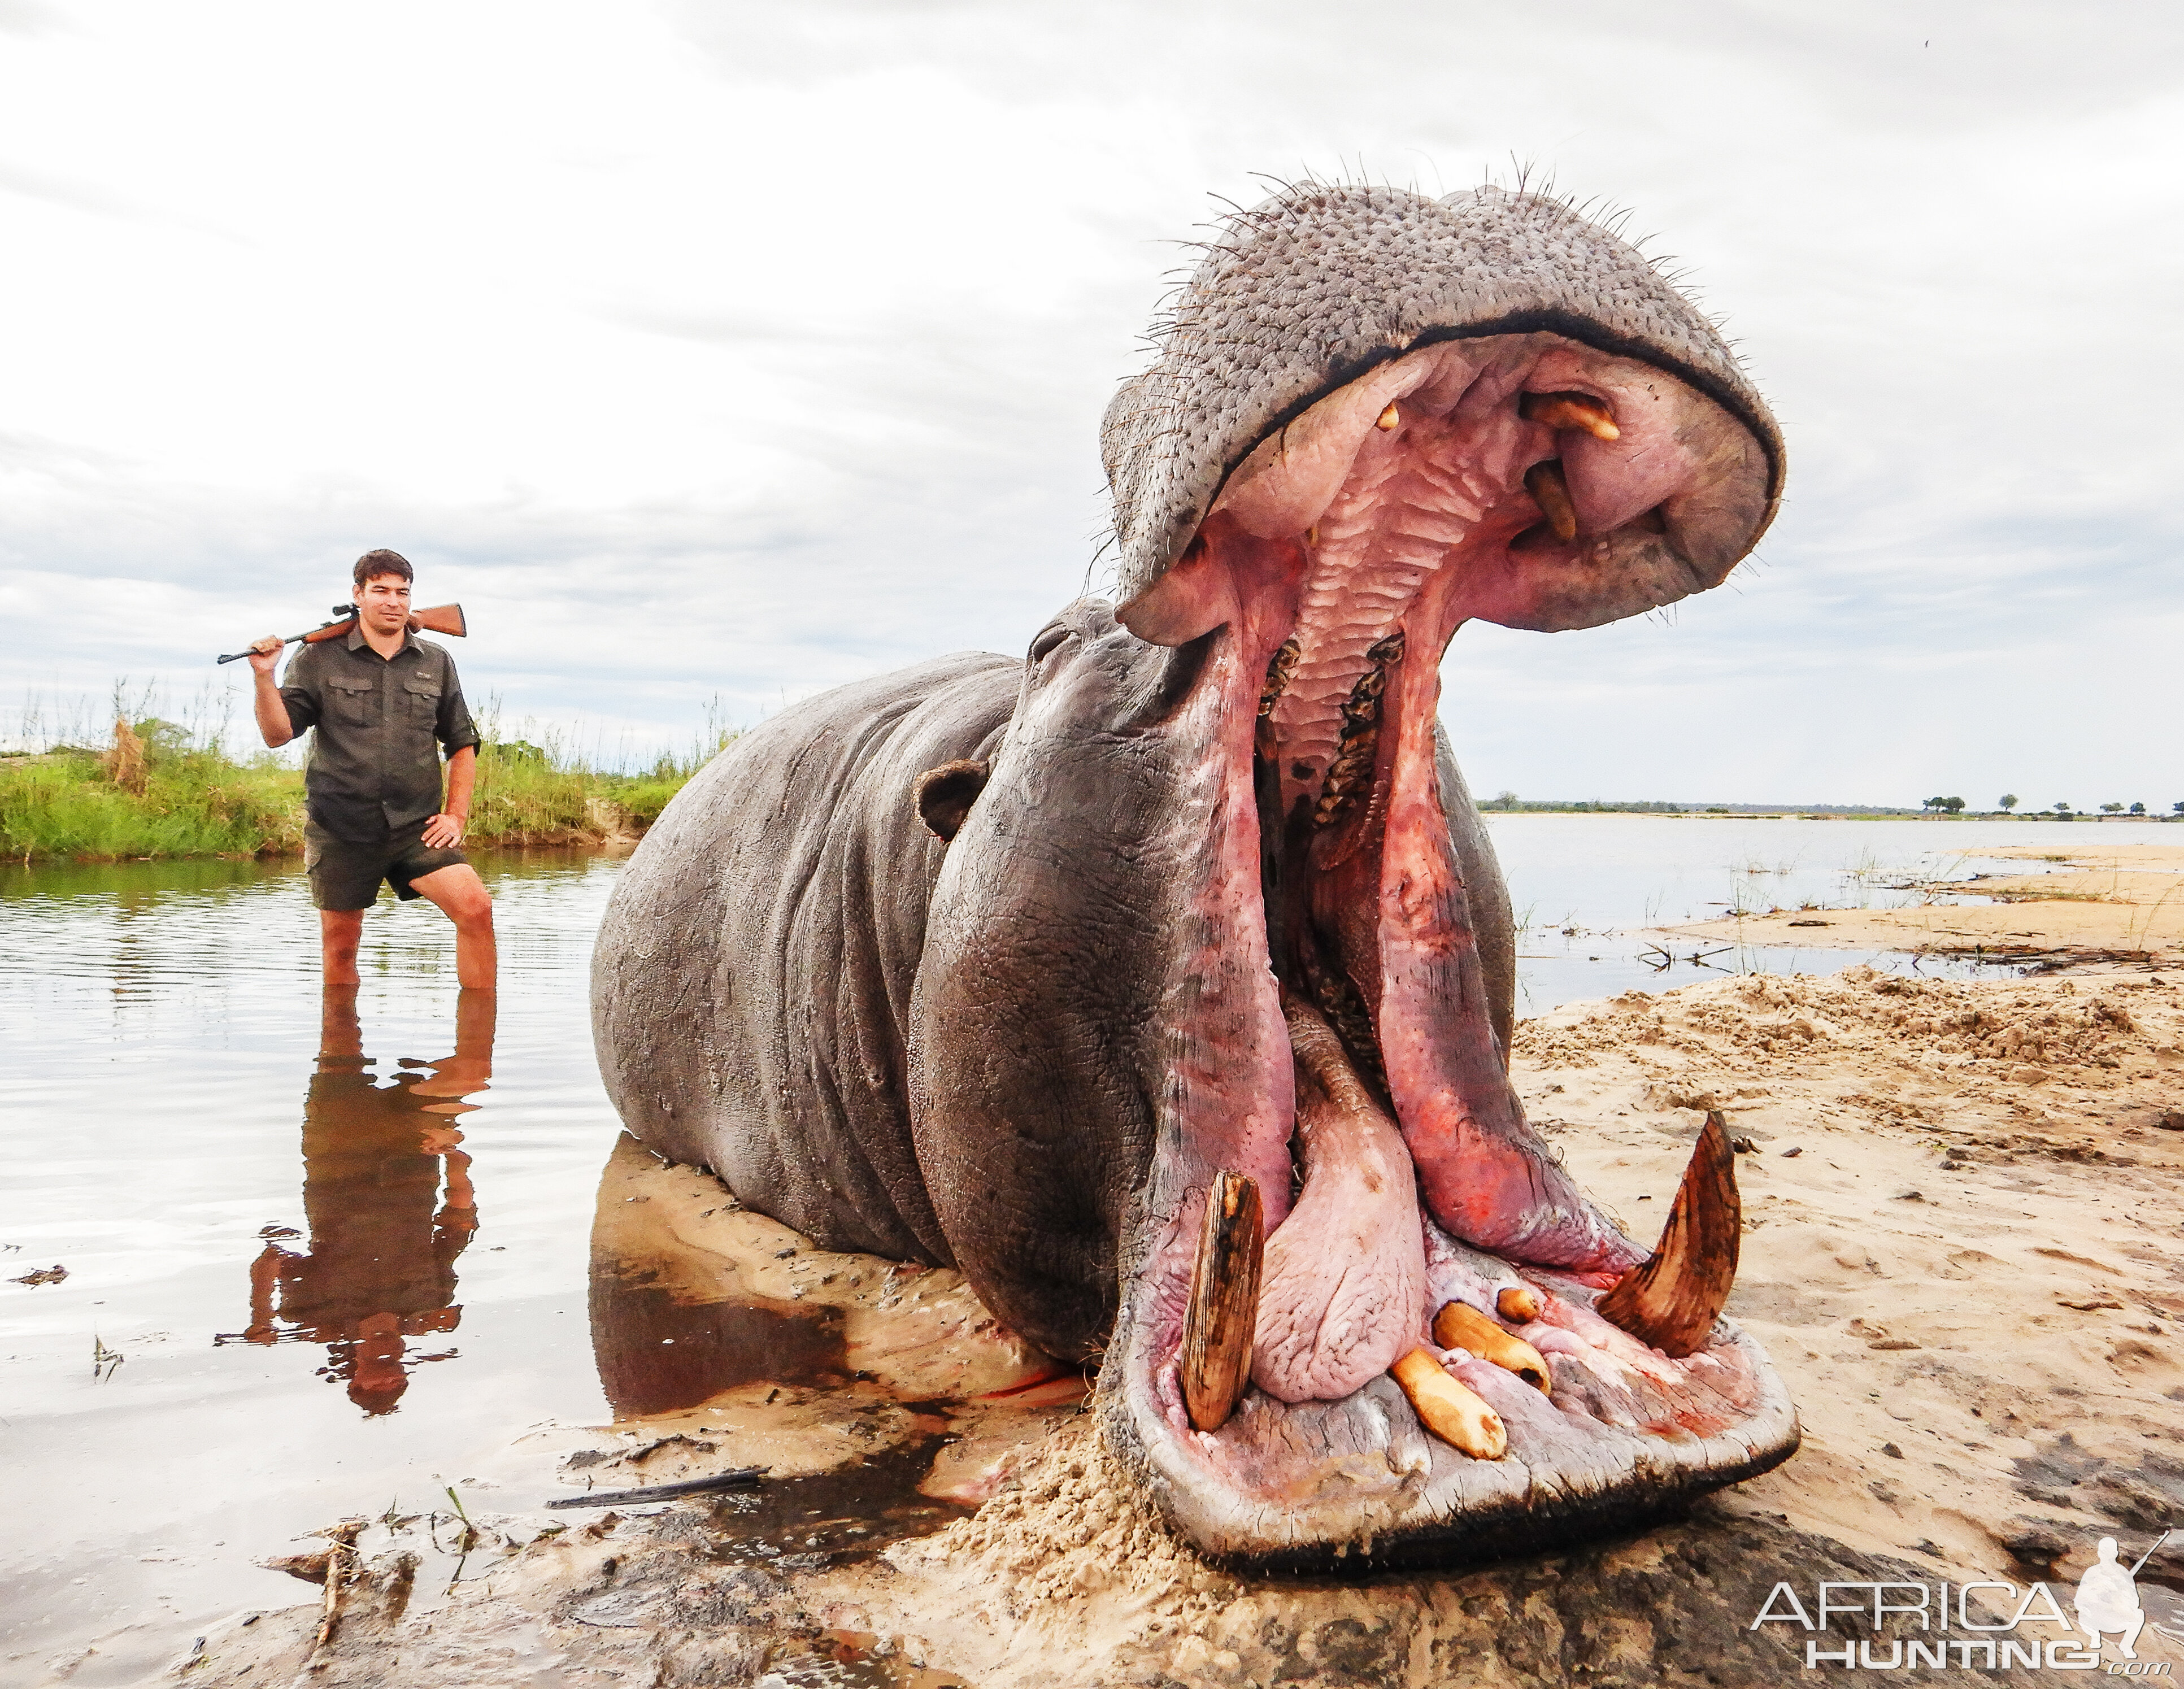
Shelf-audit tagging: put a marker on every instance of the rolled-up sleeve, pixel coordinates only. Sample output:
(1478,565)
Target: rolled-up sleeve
(299,692)
(454,730)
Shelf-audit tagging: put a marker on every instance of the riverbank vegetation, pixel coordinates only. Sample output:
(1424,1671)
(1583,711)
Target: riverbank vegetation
(1946,809)
(157,789)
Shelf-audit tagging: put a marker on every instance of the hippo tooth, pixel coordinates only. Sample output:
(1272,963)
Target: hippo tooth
(1459,1326)
(1223,1318)
(1544,481)
(1280,667)
(1453,1412)
(1389,419)
(1518,1304)
(1560,410)
(1672,1298)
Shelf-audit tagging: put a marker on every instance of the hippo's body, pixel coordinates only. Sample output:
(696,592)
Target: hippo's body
(1000,963)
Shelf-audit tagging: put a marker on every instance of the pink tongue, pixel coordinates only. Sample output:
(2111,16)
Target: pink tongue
(1343,1292)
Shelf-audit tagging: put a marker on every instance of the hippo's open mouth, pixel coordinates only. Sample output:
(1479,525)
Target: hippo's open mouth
(1162,981)
(1426,1260)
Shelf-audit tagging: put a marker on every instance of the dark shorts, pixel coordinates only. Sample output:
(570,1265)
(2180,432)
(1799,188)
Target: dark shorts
(345,875)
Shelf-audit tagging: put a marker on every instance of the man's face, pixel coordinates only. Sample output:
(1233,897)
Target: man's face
(383,603)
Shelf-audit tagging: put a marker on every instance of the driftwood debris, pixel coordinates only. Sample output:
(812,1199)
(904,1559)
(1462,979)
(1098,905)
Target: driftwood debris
(742,1478)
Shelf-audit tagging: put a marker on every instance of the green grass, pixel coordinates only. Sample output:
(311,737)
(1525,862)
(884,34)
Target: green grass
(193,804)
(173,793)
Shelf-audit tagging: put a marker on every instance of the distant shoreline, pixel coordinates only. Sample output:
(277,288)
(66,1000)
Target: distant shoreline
(1798,812)
(2108,904)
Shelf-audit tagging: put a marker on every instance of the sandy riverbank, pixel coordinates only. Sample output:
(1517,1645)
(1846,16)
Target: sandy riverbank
(1962,1252)
(2118,901)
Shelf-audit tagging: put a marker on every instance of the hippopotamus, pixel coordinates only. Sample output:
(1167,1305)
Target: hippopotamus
(1161,981)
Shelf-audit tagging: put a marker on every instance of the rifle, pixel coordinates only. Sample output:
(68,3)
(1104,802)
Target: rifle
(439,618)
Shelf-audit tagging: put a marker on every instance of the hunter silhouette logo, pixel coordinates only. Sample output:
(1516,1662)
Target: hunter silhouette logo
(1948,1624)
(2108,1597)
(2108,1600)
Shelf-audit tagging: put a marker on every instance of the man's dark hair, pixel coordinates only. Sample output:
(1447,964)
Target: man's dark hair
(383,563)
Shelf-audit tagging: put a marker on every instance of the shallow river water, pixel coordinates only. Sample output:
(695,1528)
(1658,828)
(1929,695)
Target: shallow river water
(322,1258)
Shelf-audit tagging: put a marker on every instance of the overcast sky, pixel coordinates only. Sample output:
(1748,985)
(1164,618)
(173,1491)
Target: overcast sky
(741,350)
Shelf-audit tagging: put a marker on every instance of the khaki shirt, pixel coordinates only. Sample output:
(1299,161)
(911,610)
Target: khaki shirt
(379,724)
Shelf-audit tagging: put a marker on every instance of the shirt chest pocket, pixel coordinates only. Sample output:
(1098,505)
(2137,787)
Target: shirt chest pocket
(351,697)
(422,701)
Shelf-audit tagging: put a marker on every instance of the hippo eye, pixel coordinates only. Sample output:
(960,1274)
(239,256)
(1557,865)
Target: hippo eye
(1049,641)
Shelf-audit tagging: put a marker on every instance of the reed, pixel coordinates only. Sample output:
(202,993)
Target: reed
(161,788)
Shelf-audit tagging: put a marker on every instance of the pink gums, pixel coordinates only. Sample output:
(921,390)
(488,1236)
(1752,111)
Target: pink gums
(1395,505)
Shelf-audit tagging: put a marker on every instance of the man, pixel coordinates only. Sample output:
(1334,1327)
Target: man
(377,702)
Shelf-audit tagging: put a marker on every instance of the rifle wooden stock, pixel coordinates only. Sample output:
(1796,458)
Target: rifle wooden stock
(438,618)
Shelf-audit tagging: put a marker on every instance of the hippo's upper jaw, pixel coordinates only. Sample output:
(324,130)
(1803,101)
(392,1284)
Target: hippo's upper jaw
(1323,1023)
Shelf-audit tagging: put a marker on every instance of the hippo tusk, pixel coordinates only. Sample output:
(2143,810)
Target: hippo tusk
(1671,1300)
(1459,1326)
(1453,1412)
(1560,410)
(1222,1319)
(1550,493)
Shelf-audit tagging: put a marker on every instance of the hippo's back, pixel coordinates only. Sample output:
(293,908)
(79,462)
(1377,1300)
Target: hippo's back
(752,987)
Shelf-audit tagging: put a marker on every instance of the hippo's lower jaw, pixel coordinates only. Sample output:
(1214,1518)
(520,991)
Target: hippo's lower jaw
(1329,1028)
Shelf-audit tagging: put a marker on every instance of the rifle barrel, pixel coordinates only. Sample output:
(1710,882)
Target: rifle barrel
(236,656)
(438,618)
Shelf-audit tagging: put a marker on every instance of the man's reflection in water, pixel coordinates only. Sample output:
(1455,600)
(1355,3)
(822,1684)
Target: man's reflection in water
(386,1193)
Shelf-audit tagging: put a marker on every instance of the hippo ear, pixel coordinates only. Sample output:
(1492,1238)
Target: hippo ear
(944,795)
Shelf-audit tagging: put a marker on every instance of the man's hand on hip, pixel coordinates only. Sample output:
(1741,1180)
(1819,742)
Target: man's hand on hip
(443,832)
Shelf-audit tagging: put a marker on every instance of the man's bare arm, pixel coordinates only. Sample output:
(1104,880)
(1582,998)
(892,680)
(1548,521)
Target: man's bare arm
(266,701)
(445,831)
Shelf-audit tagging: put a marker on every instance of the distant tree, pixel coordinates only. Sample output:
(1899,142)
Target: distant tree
(2176,809)
(2062,808)
(2009,801)
(1504,800)
(1954,805)
(1933,803)
(2138,809)
(2111,809)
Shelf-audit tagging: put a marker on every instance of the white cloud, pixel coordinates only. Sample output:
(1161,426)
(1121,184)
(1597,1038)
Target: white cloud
(745,349)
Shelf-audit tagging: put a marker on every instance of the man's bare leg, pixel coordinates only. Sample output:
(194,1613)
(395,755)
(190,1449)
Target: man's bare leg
(340,932)
(463,898)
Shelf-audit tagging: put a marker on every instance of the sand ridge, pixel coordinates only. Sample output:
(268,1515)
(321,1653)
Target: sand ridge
(2120,901)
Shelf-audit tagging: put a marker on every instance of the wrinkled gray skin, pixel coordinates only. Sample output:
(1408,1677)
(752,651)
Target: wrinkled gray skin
(1313,288)
(757,987)
(1024,1052)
